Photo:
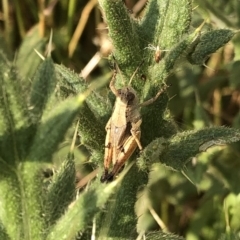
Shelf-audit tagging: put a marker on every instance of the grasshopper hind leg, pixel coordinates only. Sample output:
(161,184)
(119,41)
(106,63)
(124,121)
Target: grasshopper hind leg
(109,177)
(104,176)
(126,152)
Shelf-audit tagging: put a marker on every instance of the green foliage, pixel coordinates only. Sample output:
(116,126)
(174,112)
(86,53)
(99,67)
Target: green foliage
(83,211)
(209,43)
(181,147)
(61,190)
(176,149)
(161,235)
(40,101)
(26,60)
(31,141)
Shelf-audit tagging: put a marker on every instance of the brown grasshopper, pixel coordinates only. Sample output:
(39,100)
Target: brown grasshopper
(123,129)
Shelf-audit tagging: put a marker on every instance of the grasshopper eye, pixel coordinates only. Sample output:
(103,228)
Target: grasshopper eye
(130,96)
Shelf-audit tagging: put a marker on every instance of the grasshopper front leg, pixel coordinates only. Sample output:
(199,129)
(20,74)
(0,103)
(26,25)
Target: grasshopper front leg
(151,100)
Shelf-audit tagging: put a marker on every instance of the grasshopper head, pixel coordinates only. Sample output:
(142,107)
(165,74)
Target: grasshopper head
(128,96)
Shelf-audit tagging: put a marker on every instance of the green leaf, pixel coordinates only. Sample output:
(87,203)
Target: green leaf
(181,147)
(43,86)
(209,43)
(122,31)
(163,236)
(61,190)
(94,112)
(71,84)
(11,203)
(52,130)
(177,150)
(27,60)
(164,24)
(159,72)
(32,195)
(14,111)
(151,153)
(120,220)
(82,212)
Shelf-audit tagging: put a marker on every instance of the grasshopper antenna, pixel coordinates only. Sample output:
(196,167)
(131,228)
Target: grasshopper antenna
(134,73)
(116,68)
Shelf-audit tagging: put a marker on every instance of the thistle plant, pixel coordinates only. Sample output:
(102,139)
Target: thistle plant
(37,114)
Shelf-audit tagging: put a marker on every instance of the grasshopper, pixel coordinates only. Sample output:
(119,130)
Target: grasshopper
(123,129)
